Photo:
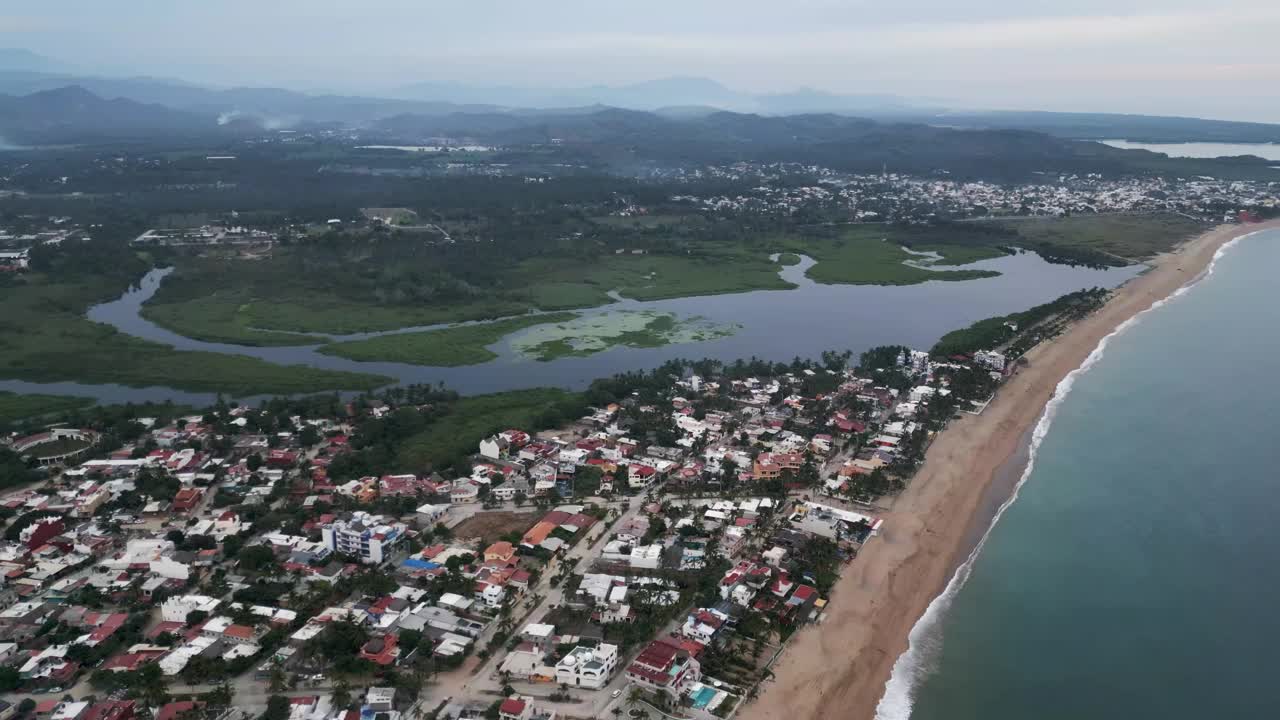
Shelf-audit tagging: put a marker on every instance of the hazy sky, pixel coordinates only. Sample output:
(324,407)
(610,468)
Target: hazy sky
(1210,59)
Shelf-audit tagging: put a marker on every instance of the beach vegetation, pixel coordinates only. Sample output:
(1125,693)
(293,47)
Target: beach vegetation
(1004,332)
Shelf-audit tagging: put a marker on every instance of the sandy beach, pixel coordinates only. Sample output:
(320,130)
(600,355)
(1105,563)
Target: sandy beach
(839,669)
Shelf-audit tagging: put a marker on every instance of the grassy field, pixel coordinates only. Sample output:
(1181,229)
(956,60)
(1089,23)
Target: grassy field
(225,317)
(1129,237)
(788,259)
(45,337)
(715,269)
(20,407)
(243,302)
(861,255)
(447,347)
(455,435)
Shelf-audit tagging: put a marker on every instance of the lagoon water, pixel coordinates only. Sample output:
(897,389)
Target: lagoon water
(1135,575)
(1268,151)
(775,325)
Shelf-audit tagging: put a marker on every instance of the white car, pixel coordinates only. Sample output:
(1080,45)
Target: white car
(615,693)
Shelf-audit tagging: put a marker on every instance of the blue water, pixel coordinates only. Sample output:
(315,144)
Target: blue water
(1136,574)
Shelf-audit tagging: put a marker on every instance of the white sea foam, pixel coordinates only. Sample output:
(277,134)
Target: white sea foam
(925,639)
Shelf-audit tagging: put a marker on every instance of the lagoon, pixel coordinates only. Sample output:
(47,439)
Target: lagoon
(776,325)
(1268,151)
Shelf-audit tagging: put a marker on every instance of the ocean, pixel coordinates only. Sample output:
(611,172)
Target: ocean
(1135,574)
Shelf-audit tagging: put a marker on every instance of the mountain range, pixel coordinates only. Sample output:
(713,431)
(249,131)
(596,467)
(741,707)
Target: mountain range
(43,102)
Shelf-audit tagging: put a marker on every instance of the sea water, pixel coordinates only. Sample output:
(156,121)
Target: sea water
(1137,572)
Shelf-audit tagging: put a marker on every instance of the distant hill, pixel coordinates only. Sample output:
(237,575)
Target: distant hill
(73,114)
(23,72)
(857,144)
(654,95)
(632,139)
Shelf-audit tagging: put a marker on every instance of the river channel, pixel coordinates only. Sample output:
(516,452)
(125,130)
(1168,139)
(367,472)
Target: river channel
(771,324)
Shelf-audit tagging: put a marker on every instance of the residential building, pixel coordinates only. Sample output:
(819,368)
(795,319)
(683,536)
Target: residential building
(588,667)
(371,538)
(666,666)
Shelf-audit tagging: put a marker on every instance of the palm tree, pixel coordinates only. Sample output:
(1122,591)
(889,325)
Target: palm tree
(277,679)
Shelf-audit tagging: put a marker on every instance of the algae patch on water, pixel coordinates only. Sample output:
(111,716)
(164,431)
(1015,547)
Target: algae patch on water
(628,328)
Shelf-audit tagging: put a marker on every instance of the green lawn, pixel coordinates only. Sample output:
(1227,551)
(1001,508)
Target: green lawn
(455,435)
(788,259)
(447,347)
(45,337)
(20,407)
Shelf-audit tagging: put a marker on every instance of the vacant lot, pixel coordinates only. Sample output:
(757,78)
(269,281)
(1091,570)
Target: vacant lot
(490,526)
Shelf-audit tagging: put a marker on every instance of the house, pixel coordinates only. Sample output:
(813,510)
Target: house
(703,624)
(465,492)
(177,608)
(770,466)
(588,667)
(802,600)
(70,711)
(494,447)
(175,710)
(111,710)
(664,665)
(428,515)
(380,699)
(187,499)
(381,651)
(540,634)
(501,551)
(537,534)
(641,476)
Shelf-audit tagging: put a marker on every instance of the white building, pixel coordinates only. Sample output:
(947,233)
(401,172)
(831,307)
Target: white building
(371,538)
(177,608)
(429,515)
(588,667)
(990,359)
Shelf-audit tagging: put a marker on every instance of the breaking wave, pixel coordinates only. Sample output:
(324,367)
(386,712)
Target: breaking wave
(925,639)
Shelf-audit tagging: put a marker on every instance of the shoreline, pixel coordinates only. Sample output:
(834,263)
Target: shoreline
(842,667)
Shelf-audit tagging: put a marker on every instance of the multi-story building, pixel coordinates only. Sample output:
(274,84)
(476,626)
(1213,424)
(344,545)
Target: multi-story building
(588,667)
(371,538)
(664,665)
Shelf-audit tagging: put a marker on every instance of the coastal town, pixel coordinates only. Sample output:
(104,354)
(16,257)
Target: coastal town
(654,556)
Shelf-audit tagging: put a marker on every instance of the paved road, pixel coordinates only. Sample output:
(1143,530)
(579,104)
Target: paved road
(482,685)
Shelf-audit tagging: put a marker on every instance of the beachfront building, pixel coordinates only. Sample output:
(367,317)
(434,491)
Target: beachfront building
(664,665)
